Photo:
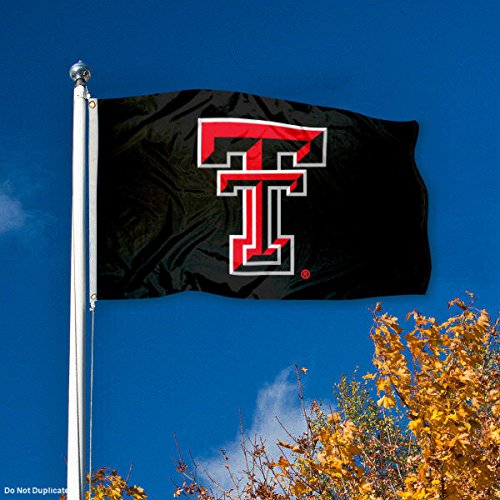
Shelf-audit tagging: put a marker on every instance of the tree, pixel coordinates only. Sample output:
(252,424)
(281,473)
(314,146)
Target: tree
(432,431)
(424,425)
(106,483)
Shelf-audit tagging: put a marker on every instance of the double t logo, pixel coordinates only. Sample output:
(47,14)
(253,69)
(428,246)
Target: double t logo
(261,160)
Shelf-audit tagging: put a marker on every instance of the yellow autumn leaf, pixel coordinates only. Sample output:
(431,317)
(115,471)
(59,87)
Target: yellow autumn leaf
(299,488)
(386,402)
(283,463)
(415,425)
(334,418)
(495,436)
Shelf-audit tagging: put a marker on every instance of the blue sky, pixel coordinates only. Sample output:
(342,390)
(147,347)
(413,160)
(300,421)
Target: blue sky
(188,363)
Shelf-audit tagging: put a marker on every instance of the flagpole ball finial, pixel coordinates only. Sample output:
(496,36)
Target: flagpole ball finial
(79,73)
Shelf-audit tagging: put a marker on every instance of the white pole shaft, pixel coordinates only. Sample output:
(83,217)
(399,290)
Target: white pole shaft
(76,396)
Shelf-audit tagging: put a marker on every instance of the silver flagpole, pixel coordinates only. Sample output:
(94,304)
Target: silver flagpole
(80,73)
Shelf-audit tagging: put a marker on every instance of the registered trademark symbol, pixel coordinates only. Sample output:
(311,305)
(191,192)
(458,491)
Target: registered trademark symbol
(305,274)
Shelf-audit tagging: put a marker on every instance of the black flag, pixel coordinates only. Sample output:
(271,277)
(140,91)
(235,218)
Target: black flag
(251,197)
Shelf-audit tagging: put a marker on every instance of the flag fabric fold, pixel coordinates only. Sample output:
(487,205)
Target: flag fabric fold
(251,197)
